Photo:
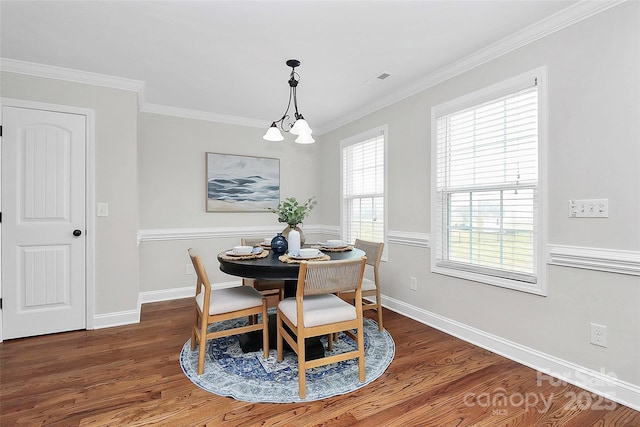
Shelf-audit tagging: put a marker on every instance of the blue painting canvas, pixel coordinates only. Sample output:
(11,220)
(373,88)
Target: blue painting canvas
(242,183)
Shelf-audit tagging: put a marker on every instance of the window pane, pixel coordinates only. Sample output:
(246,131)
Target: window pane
(492,229)
(363,190)
(487,173)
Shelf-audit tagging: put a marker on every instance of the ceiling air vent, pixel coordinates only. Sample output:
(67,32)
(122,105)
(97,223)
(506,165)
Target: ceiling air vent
(373,81)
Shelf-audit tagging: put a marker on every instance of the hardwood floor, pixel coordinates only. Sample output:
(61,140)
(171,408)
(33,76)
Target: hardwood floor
(131,376)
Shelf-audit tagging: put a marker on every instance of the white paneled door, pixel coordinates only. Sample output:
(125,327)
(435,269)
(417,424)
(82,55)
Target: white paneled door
(43,222)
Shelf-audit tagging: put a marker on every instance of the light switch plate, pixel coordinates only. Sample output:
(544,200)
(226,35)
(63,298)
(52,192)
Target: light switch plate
(589,208)
(103,209)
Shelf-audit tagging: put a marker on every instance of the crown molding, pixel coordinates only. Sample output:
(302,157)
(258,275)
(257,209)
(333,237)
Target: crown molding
(202,115)
(68,74)
(560,20)
(76,76)
(565,18)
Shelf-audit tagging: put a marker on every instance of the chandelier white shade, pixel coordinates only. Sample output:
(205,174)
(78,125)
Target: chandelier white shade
(305,138)
(273,133)
(299,126)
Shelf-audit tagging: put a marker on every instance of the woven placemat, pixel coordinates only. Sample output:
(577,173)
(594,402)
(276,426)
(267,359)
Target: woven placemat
(262,254)
(289,260)
(333,249)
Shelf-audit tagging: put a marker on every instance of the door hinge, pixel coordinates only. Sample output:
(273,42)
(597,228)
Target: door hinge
(0,303)
(0,130)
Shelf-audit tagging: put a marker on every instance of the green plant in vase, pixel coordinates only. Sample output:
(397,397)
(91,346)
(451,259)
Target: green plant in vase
(292,212)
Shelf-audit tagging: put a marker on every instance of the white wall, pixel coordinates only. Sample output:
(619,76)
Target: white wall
(593,152)
(116,268)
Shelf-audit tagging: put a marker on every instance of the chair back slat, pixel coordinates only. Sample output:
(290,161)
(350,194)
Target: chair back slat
(327,277)
(201,274)
(251,241)
(265,286)
(203,316)
(373,250)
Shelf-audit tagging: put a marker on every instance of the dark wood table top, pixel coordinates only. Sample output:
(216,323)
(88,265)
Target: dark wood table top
(271,268)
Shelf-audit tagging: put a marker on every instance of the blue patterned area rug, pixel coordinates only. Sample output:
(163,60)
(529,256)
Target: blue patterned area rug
(251,378)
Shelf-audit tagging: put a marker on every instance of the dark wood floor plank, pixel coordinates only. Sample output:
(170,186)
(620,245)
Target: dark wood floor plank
(131,376)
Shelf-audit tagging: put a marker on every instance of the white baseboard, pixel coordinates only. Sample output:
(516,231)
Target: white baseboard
(178,293)
(549,366)
(119,318)
(165,295)
(128,317)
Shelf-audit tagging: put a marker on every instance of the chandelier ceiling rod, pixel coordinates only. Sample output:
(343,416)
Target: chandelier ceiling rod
(293,84)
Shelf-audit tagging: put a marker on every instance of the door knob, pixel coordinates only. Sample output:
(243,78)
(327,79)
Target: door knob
(77,232)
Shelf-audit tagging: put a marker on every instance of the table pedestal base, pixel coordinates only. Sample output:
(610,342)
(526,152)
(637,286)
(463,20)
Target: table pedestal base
(252,341)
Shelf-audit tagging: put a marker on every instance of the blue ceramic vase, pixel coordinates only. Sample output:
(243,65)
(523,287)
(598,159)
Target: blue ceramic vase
(279,244)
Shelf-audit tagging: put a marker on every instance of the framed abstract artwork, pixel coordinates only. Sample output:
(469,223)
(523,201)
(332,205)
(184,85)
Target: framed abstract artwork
(242,183)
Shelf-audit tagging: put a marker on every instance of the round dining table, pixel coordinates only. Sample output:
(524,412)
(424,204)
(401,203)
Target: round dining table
(271,268)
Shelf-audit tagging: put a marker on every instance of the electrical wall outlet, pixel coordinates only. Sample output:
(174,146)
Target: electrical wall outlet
(598,335)
(413,283)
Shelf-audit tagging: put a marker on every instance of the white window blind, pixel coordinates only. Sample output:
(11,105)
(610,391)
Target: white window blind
(486,194)
(363,187)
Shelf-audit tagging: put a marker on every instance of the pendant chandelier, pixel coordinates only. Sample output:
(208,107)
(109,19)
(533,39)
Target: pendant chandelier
(299,126)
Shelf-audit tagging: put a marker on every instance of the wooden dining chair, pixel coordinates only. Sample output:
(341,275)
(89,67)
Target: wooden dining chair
(317,311)
(265,287)
(217,305)
(370,288)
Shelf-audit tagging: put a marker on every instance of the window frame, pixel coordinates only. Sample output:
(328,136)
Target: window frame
(539,75)
(354,140)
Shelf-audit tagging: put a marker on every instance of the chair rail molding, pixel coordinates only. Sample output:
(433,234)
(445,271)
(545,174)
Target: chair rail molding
(610,260)
(168,234)
(409,238)
(600,259)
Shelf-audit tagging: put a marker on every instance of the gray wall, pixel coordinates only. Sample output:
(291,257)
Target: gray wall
(593,152)
(116,269)
(171,170)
